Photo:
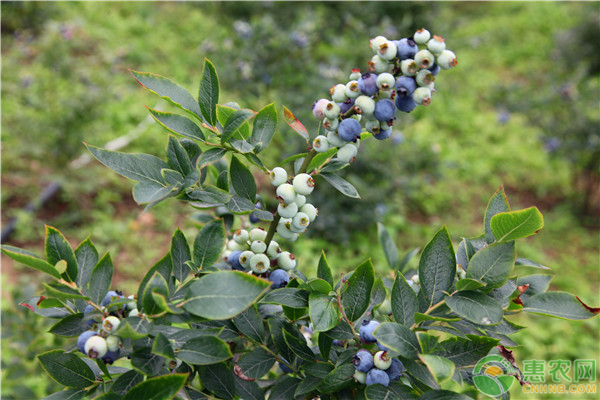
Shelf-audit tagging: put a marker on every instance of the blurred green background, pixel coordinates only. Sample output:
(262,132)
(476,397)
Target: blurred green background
(521,109)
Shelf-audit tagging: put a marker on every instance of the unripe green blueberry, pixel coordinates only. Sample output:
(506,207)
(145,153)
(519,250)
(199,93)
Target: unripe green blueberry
(421,36)
(257,234)
(274,250)
(355,74)
(287,210)
(386,94)
(320,144)
(278,176)
(331,124)
(422,95)
(245,258)
(347,153)
(424,58)
(386,307)
(385,81)
(361,377)
(334,139)
(113,343)
(133,312)
(300,221)
(233,245)
(424,77)
(446,60)
(352,89)
(338,93)
(286,261)
(462,274)
(387,50)
(110,324)
(286,193)
(285,233)
(331,110)
(382,360)
(378,64)
(376,42)
(310,210)
(260,263)
(258,246)
(364,105)
(436,45)
(300,200)
(96,347)
(415,279)
(241,236)
(409,67)
(373,126)
(304,184)
(133,304)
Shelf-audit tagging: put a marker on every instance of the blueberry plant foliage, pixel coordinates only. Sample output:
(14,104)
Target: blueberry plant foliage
(229,315)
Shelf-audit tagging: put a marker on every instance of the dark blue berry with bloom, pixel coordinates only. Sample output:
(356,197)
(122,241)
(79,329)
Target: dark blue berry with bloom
(367,84)
(349,130)
(406,48)
(384,110)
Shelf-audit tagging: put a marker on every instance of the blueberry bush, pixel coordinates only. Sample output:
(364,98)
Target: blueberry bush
(229,314)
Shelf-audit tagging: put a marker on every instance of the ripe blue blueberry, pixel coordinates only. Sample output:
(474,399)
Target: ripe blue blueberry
(84,338)
(377,376)
(363,360)
(367,84)
(384,110)
(383,134)
(435,69)
(405,86)
(253,218)
(366,331)
(405,103)
(349,130)
(280,278)
(395,369)
(346,105)
(382,347)
(234,260)
(285,368)
(109,296)
(406,48)
(111,356)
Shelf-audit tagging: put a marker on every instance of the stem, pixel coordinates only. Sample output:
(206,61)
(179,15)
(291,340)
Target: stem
(345,317)
(429,310)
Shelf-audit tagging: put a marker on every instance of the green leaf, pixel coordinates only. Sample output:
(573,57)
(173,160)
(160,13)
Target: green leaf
(466,352)
(239,205)
(163,387)
(440,368)
(342,185)
(493,264)
(234,122)
(209,243)
(420,317)
(224,294)
(497,204)
(296,125)
(290,297)
(164,266)
(323,270)
(62,291)
(58,248)
(178,124)
(248,390)
(148,192)
(559,304)
(318,369)
(210,197)
(266,216)
(210,156)
(394,391)
(378,294)
(156,284)
(70,326)
(321,159)
(168,90)
(139,167)
(177,157)
(250,324)
(468,284)
(403,265)
(476,307)
(132,328)
(218,378)
(257,363)
(355,298)
(31,260)
(68,394)
(67,369)
(180,255)
(308,384)
(292,158)
(299,347)
(404,301)
(100,279)
(162,346)
(204,350)
(316,285)
(441,394)
(398,338)
(389,247)
(508,226)
(323,310)
(437,267)
(224,113)
(146,362)
(242,180)
(208,97)
(264,127)
(284,388)
(87,258)
(126,381)
(528,263)
(242,146)
(338,379)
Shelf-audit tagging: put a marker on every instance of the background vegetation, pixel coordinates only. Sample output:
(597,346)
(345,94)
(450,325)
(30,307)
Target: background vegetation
(527,82)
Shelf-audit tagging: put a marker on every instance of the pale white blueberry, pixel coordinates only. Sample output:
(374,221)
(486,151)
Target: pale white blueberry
(376,42)
(257,234)
(334,139)
(424,77)
(304,184)
(300,200)
(422,36)
(245,258)
(287,210)
(331,124)
(409,67)
(233,245)
(300,221)
(320,144)
(352,89)
(347,153)
(310,210)
(113,343)
(331,110)
(110,324)
(278,176)
(338,93)
(424,58)
(286,193)
(378,64)
(422,95)
(436,45)
(260,263)
(364,105)
(96,347)
(286,261)
(258,246)
(385,81)
(387,50)
(274,250)
(361,377)
(241,236)
(447,60)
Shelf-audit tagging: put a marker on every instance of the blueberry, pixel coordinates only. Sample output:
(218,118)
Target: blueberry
(447,59)
(384,110)
(361,377)
(111,324)
(377,376)
(95,347)
(349,130)
(382,347)
(383,134)
(278,176)
(253,218)
(285,368)
(367,84)
(363,360)
(406,48)
(435,69)
(280,278)
(337,342)
(109,296)
(286,193)
(303,184)
(318,108)
(405,103)
(395,370)
(382,359)
(234,260)
(422,36)
(405,86)
(83,338)
(366,331)
(346,105)
(286,261)
(241,236)
(338,93)
(111,356)
(260,263)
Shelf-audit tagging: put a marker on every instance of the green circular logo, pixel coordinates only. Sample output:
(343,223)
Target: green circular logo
(493,375)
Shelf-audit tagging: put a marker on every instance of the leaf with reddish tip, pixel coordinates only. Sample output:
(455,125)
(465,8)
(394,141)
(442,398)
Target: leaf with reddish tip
(296,125)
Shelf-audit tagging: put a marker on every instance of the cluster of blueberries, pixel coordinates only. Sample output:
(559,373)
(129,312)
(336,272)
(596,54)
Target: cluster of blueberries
(101,341)
(378,368)
(401,76)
